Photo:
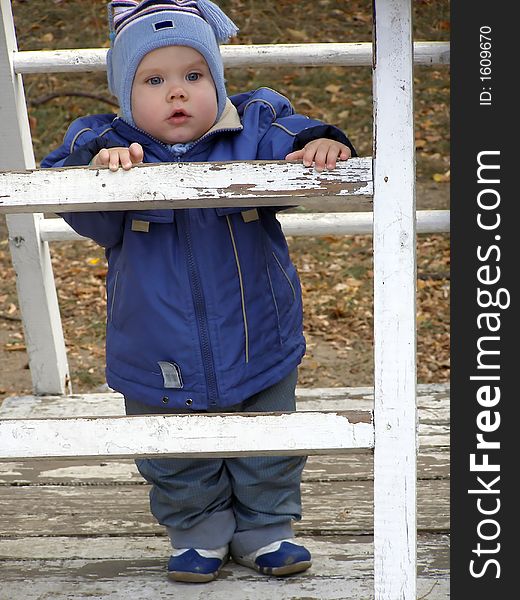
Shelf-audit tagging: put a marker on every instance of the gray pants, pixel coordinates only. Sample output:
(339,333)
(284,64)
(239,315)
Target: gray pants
(248,502)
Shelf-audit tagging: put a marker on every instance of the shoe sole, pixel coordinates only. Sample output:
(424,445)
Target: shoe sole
(187,577)
(292,569)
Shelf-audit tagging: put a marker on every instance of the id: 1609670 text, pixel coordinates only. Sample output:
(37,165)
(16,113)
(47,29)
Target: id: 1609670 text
(485,97)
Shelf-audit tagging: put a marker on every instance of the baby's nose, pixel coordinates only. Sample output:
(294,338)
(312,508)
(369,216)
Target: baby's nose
(176,92)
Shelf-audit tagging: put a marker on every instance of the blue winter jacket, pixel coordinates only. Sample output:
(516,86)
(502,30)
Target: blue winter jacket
(204,306)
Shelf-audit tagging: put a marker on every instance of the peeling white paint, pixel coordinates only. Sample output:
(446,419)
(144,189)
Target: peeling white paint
(300,433)
(8,469)
(120,471)
(179,185)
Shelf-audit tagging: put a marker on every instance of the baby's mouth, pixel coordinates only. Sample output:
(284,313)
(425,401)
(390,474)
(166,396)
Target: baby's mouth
(178,116)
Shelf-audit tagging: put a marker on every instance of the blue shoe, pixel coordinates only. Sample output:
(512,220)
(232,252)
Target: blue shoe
(196,565)
(280,558)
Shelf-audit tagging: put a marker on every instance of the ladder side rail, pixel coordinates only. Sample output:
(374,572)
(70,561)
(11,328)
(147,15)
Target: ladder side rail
(395,523)
(350,54)
(30,255)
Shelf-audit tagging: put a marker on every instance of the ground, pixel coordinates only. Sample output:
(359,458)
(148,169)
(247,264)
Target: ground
(336,272)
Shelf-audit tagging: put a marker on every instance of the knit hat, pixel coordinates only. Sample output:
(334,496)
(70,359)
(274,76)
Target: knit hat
(138,27)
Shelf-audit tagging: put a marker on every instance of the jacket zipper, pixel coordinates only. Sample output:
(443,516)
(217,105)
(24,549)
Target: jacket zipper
(200,313)
(195,282)
(242,295)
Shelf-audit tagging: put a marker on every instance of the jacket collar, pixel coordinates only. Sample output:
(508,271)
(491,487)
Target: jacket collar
(229,119)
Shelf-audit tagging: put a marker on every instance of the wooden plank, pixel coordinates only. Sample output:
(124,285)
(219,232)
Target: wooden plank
(432,401)
(250,434)
(432,414)
(394,239)
(134,567)
(440,389)
(180,185)
(431,464)
(360,223)
(237,56)
(329,508)
(54,407)
(20,436)
(75,580)
(432,549)
(37,297)
(69,473)
(348,507)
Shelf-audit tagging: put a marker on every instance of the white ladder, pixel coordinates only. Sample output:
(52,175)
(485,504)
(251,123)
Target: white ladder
(392,434)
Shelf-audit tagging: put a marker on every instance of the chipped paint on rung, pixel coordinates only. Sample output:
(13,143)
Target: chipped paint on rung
(180,185)
(298,433)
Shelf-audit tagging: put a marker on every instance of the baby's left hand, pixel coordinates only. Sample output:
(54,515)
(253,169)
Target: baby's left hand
(322,152)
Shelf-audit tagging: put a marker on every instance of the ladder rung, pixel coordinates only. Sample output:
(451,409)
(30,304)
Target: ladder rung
(180,185)
(243,434)
(234,56)
(352,223)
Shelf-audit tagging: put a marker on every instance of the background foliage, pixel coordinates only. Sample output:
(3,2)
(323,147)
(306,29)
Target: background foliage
(336,272)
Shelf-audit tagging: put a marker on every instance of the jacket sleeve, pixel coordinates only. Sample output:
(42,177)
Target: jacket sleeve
(293,132)
(104,227)
(316,132)
(84,154)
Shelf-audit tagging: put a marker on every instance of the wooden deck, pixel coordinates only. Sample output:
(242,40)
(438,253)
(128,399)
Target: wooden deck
(78,530)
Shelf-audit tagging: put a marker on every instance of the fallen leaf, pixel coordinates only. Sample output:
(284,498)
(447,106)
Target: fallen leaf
(14,347)
(441,177)
(297,34)
(333,88)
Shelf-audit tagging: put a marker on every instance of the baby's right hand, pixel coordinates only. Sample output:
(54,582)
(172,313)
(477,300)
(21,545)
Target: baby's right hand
(114,157)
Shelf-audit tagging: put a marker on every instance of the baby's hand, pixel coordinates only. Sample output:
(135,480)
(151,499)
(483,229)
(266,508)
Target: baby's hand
(322,152)
(113,157)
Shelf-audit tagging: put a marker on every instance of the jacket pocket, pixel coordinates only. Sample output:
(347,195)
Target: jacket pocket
(111,297)
(222,212)
(140,221)
(152,216)
(286,292)
(287,278)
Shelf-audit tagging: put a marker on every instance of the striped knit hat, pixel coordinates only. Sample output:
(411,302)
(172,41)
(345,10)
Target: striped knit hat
(138,27)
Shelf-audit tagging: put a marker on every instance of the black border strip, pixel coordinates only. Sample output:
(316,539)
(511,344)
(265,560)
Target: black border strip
(484,318)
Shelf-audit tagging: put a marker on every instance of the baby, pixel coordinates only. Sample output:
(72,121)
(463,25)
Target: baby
(204,307)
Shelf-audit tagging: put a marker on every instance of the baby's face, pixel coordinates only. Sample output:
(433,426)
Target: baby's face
(173,95)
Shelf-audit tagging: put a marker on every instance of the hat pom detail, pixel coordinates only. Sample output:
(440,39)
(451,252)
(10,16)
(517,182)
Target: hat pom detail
(223,27)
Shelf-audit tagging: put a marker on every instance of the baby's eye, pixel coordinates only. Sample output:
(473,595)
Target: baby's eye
(192,76)
(156,80)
